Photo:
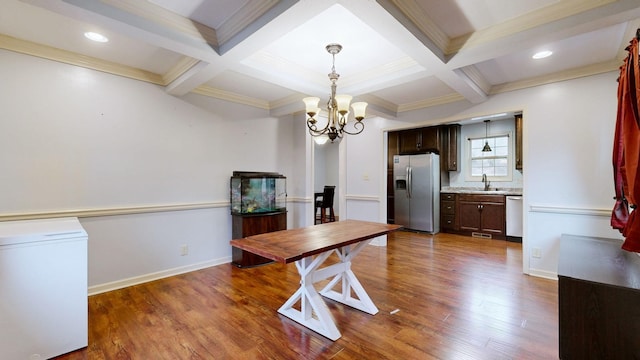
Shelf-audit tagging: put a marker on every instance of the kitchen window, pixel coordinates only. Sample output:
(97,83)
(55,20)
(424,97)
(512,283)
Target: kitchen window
(495,163)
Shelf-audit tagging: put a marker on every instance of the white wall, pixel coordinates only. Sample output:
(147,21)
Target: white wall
(567,176)
(80,140)
(365,164)
(77,139)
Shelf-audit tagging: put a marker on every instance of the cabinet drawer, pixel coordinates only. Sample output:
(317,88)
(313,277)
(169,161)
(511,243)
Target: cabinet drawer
(447,196)
(448,208)
(482,198)
(448,222)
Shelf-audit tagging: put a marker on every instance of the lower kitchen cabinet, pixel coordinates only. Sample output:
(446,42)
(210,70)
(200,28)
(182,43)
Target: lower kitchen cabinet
(448,218)
(482,215)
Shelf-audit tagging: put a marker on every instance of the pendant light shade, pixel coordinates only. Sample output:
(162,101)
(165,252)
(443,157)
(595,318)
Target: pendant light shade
(486,147)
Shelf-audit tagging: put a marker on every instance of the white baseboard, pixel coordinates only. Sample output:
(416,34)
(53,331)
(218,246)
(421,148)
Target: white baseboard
(119,284)
(543,274)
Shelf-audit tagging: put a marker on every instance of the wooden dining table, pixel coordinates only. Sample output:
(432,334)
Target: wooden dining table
(309,248)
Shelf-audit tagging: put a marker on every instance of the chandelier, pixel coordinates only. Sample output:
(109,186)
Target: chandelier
(337,108)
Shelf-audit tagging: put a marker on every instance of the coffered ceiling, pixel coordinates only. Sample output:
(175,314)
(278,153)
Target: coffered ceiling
(398,55)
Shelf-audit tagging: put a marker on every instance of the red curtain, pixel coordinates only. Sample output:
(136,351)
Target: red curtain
(626,151)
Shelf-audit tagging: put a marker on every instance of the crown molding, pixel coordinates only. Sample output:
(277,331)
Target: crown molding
(179,68)
(287,100)
(159,15)
(474,75)
(68,57)
(536,18)
(440,100)
(589,70)
(374,100)
(629,33)
(423,22)
(210,91)
(249,13)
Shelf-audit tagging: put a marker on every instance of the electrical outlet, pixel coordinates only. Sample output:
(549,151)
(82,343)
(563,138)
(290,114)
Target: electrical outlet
(536,253)
(184,250)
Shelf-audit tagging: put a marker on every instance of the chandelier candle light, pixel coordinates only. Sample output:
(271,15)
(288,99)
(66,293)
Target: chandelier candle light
(337,108)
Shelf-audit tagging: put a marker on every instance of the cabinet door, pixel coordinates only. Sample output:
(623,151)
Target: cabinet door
(518,121)
(469,214)
(448,147)
(430,139)
(409,141)
(492,215)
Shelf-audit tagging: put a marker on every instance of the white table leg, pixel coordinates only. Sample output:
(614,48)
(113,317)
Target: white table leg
(313,312)
(349,282)
(310,301)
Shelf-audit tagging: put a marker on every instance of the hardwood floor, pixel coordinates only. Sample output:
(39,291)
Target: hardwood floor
(456,298)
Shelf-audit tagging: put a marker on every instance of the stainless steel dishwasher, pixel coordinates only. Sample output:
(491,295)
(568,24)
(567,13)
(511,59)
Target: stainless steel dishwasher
(514,217)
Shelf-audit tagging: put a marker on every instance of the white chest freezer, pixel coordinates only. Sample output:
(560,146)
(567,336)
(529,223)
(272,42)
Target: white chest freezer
(43,288)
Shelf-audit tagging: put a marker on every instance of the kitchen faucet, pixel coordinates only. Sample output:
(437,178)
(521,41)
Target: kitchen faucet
(486,183)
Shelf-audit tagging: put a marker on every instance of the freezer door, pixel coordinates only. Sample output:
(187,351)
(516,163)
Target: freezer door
(400,190)
(421,206)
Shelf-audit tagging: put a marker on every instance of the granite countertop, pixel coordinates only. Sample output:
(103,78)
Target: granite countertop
(476,190)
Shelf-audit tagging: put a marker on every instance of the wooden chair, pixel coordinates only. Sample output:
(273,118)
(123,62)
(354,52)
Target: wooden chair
(324,203)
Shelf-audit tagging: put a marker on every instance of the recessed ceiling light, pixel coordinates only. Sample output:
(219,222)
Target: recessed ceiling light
(96,37)
(542,54)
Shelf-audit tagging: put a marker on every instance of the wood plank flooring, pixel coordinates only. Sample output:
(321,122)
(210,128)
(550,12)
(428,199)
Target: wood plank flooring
(456,298)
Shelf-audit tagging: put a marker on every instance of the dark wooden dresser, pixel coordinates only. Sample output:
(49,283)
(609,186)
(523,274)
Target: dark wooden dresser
(598,299)
(254,224)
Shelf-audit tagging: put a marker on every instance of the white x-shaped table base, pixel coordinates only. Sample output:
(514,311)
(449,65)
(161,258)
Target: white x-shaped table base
(313,312)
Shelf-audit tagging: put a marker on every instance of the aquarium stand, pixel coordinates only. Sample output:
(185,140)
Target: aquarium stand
(253,224)
(258,205)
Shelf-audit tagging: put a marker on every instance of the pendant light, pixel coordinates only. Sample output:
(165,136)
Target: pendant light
(486,147)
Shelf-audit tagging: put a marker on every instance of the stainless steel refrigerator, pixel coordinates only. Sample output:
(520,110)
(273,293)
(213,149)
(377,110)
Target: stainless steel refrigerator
(416,182)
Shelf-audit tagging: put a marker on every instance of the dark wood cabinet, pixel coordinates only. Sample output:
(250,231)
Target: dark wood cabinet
(482,214)
(598,297)
(518,152)
(409,141)
(448,218)
(254,224)
(451,144)
(430,139)
(414,141)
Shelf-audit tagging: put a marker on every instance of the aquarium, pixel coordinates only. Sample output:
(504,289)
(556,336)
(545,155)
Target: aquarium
(258,192)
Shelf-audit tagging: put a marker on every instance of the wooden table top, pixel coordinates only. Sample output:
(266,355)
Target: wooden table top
(287,246)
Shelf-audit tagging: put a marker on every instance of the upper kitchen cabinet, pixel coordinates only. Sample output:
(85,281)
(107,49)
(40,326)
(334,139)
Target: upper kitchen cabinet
(420,140)
(450,135)
(518,125)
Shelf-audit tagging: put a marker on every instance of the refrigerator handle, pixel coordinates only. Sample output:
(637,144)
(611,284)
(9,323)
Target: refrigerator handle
(409,182)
